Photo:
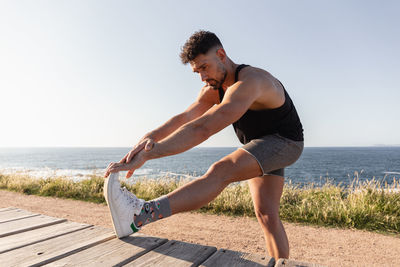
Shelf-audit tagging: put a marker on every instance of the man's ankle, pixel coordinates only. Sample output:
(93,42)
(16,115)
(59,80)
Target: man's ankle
(153,210)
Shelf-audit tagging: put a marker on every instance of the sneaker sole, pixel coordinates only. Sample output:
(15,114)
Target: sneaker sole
(107,184)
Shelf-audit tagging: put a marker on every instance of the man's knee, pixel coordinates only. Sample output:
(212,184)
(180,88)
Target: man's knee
(269,220)
(221,170)
(235,167)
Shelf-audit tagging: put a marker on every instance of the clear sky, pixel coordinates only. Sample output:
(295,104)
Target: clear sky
(103,73)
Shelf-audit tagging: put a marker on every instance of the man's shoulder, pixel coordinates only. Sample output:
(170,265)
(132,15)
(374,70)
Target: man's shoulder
(260,76)
(270,90)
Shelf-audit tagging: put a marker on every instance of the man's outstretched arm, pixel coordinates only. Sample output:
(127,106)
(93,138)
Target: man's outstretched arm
(238,98)
(236,102)
(203,102)
(201,105)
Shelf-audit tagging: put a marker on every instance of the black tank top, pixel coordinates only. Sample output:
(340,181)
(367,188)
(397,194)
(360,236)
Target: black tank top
(283,120)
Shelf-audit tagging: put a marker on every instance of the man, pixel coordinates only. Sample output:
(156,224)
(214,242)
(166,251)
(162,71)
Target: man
(265,121)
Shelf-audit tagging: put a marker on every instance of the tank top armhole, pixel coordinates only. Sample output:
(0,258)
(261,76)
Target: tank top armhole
(221,91)
(221,94)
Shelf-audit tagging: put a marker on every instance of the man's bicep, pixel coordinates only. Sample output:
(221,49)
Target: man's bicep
(205,100)
(236,102)
(220,116)
(197,109)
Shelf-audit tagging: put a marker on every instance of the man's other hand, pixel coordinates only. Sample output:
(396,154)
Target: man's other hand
(134,164)
(146,144)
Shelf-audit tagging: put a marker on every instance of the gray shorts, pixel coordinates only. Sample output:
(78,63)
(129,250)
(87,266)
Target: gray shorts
(274,152)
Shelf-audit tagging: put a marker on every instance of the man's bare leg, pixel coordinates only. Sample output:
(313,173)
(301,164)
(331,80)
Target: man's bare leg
(266,192)
(237,166)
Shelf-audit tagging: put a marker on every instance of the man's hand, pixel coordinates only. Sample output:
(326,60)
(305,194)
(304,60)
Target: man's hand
(135,163)
(146,144)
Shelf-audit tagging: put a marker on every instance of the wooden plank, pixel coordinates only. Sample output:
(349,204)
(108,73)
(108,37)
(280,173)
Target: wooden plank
(27,224)
(293,263)
(224,257)
(175,253)
(15,214)
(115,252)
(8,208)
(56,248)
(37,235)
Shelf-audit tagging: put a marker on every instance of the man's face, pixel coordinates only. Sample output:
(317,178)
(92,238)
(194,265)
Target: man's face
(210,67)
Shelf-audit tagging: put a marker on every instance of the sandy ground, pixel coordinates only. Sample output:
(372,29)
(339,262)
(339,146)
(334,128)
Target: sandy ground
(328,246)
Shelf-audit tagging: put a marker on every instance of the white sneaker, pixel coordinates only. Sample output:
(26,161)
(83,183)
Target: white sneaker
(123,206)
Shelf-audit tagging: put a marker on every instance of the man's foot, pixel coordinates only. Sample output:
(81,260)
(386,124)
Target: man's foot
(123,206)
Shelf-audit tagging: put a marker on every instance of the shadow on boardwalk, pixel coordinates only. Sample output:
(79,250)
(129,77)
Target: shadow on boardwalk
(32,239)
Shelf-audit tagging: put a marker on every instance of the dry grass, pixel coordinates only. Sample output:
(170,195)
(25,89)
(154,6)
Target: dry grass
(370,205)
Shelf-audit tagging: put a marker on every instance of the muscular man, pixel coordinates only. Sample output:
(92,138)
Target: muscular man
(265,121)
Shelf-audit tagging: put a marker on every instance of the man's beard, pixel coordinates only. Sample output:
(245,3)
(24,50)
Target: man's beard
(217,83)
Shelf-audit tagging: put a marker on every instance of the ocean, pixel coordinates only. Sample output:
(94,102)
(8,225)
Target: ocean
(339,165)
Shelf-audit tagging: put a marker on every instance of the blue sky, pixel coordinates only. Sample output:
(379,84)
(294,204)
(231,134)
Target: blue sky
(103,73)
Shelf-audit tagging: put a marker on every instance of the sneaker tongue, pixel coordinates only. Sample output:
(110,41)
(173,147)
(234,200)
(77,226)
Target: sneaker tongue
(136,202)
(128,193)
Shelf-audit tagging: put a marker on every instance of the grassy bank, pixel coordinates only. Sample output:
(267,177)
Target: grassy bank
(369,205)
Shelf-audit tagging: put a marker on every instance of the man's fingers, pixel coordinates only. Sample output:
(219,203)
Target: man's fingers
(115,167)
(129,174)
(149,145)
(107,170)
(146,144)
(129,156)
(124,158)
(134,152)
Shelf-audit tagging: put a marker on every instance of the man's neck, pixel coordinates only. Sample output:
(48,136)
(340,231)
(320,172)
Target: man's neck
(230,74)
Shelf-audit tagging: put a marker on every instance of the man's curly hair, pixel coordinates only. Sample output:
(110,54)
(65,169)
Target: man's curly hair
(199,43)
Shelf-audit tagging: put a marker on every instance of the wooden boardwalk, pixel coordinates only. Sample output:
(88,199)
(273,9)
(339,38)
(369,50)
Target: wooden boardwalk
(31,239)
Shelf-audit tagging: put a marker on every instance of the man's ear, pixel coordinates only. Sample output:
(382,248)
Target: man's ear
(221,54)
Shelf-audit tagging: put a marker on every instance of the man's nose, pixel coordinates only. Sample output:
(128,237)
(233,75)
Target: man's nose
(203,76)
